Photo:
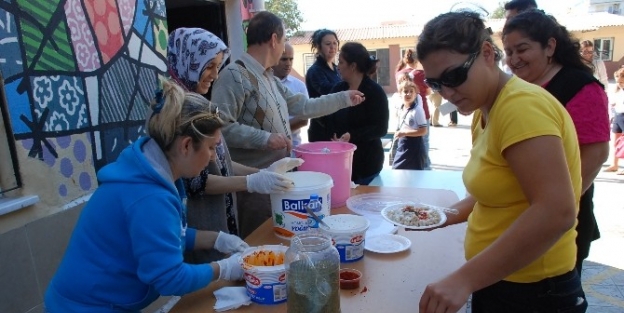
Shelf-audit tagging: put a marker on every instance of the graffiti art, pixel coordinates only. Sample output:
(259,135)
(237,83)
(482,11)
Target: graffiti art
(79,75)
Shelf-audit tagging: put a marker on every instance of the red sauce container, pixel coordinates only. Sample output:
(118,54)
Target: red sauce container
(350,278)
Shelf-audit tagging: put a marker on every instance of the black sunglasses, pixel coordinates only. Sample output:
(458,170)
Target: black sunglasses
(454,77)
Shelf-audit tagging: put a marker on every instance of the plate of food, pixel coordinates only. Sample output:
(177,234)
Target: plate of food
(371,204)
(414,216)
(387,243)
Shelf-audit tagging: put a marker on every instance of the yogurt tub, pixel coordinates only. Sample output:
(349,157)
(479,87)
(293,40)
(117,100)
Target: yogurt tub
(348,232)
(265,284)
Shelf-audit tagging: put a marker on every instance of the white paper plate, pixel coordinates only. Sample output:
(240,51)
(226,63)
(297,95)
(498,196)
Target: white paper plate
(393,207)
(373,203)
(387,243)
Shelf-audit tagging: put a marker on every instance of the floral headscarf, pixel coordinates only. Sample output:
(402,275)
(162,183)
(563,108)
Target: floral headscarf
(189,51)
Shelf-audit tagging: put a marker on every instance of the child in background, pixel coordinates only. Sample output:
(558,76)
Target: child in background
(410,153)
(616,101)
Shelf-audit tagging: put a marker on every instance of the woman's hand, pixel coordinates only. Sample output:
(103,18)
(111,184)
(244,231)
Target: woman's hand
(267,182)
(445,296)
(227,243)
(399,134)
(356,97)
(344,138)
(284,165)
(230,268)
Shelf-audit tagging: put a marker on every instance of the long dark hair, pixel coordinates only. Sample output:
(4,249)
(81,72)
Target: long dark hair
(540,27)
(408,58)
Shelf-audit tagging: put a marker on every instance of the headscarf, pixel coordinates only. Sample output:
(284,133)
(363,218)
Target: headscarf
(189,51)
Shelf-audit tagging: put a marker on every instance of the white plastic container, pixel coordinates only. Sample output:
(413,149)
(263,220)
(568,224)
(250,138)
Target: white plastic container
(348,233)
(265,284)
(289,215)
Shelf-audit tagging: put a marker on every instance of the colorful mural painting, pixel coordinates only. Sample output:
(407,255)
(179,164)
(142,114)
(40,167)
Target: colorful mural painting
(79,75)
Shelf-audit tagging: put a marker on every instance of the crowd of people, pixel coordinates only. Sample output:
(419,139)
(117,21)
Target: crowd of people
(169,214)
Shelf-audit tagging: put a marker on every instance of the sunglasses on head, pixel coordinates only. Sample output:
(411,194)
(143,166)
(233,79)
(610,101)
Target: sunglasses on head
(452,78)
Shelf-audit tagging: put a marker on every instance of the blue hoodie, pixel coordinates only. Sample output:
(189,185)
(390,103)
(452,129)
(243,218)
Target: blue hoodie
(126,248)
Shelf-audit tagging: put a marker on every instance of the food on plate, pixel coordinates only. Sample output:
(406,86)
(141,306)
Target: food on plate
(414,215)
(264,258)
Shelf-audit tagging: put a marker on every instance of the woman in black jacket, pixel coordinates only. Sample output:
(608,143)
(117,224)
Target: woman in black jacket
(321,78)
(367,123)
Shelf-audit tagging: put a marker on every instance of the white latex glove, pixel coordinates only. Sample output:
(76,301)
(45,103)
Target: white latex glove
(227,243)
(268,182)
(230,268)
(284,165)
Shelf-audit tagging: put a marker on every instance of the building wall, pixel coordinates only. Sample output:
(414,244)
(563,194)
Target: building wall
(617,33)
(396,45)
(78,77)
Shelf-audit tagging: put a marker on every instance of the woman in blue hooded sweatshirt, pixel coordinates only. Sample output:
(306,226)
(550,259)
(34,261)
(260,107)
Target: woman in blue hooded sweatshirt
(126,248)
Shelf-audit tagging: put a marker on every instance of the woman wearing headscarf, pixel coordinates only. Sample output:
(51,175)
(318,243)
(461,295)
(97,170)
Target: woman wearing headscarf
(195,56)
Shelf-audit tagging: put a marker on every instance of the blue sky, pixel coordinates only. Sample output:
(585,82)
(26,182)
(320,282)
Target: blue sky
(355,13)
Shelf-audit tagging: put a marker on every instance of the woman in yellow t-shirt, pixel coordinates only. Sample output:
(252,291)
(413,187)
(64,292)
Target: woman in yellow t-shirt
(524,178)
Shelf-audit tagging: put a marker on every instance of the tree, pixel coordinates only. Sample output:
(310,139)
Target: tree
(288,11)
(499,12)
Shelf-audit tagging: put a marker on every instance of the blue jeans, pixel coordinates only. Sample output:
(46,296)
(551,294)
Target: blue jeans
(560,294)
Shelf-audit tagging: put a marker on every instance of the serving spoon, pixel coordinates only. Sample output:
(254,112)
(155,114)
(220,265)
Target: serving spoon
(315,217)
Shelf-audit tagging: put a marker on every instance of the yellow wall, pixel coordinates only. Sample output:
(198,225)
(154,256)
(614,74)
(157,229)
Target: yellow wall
(375,44)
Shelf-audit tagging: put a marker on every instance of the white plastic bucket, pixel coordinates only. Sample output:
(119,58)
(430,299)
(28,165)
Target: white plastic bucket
(289,215)
(265,284)
(348,233)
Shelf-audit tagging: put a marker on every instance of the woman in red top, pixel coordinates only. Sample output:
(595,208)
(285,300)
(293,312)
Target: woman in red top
(541,51)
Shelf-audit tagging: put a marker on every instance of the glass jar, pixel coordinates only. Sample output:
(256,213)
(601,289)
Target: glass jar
(312,274)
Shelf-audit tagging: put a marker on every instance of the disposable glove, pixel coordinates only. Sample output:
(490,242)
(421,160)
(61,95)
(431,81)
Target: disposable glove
(268,182)
(230,268)
(284,165)
(227,243)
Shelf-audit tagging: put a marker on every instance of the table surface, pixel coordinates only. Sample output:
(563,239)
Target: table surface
(435,179)
(393,282)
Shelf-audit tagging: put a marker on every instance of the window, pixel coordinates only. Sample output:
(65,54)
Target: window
(603,47)
(308,60)
(382,76)
(9,171)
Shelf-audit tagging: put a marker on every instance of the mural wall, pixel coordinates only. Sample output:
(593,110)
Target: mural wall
(78,77)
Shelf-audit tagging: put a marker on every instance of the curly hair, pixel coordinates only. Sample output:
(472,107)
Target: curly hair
(540,27)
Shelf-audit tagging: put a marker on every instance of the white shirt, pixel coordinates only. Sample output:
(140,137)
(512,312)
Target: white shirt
(600,72)
(616,100)
(415,118)
(296,86)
